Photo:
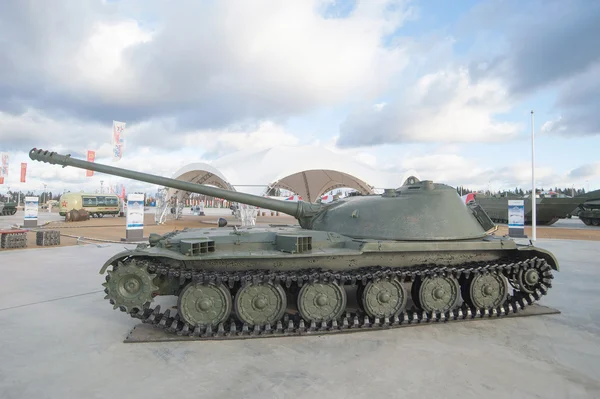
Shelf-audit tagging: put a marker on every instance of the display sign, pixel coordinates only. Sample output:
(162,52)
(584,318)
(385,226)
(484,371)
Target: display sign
(135,211)
(516,218)
(31,211)
(31,208)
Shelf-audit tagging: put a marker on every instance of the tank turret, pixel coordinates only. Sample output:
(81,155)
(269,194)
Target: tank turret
(413,254)
(418,210)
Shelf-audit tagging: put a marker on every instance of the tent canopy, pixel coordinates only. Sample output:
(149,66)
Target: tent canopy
(312,184)
(309,171)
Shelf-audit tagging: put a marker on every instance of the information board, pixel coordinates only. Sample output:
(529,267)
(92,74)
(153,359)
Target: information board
(31,208)
(135,211)
(31,211)
(516,218)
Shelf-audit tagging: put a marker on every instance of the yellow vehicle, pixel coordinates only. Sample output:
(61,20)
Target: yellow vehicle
(97,205)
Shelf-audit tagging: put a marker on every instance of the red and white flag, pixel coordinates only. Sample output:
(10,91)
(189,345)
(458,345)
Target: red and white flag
(23,171)
(91,156)
(118,140)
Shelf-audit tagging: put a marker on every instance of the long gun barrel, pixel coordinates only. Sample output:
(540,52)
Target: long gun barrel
(300,210)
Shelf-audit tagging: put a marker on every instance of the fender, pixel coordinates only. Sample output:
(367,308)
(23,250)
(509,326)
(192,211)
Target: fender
(541,253)
(120,255)
(135,253)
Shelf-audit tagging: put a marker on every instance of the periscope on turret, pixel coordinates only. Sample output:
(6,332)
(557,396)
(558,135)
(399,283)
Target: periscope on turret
(414,253)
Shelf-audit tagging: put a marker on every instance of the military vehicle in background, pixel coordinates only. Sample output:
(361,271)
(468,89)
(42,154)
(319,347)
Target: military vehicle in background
(588,211)
(8,208)
(550,207)
(414,254)
(96,205)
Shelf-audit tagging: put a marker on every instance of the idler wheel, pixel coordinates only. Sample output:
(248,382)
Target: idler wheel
(321,301)
(596,222)
(436,294)
(260,304)
(204,304)
(383,298)
(129,286)
(528,279)
(485,291)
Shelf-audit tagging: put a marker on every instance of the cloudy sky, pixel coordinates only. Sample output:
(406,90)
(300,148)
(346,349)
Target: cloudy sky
(441,88)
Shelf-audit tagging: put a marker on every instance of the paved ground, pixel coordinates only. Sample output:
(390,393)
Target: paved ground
(572,223)
(60,339)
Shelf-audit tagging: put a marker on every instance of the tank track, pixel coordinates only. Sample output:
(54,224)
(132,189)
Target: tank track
(293,325)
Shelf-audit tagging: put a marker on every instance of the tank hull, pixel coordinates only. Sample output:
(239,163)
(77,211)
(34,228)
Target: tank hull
(589,211)
(241,266)
(8,208)
(549,210)
(590,217)
(257,248)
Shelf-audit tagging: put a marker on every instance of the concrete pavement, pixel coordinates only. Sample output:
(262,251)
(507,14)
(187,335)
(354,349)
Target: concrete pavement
(60,339)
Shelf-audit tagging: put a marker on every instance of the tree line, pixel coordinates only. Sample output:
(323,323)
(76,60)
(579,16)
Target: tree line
(14,195)
(519,191)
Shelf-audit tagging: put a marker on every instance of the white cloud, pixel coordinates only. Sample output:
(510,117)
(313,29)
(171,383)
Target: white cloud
(99,63)
(35,129)
(447,165)
(587,171)
(577,106)
(441,107)
(282,51)
(195,81)
(205,64)
(266,134)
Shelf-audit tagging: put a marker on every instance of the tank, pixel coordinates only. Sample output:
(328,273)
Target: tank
(588,211)
(8,208)
(416,253)
(549,208)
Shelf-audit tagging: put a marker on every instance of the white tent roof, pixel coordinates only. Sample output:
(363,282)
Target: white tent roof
(312,184)
(309,171)
(201,173)
(265,167)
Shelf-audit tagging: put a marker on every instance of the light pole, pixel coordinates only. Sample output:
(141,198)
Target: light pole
(44,195)
(101,186)
(533,203)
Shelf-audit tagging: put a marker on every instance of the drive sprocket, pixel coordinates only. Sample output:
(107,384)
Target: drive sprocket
(129,286)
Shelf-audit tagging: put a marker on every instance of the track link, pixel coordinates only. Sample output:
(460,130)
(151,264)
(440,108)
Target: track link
(294,325)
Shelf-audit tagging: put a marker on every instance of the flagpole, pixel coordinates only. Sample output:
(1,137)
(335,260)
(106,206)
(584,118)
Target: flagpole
(533,193)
